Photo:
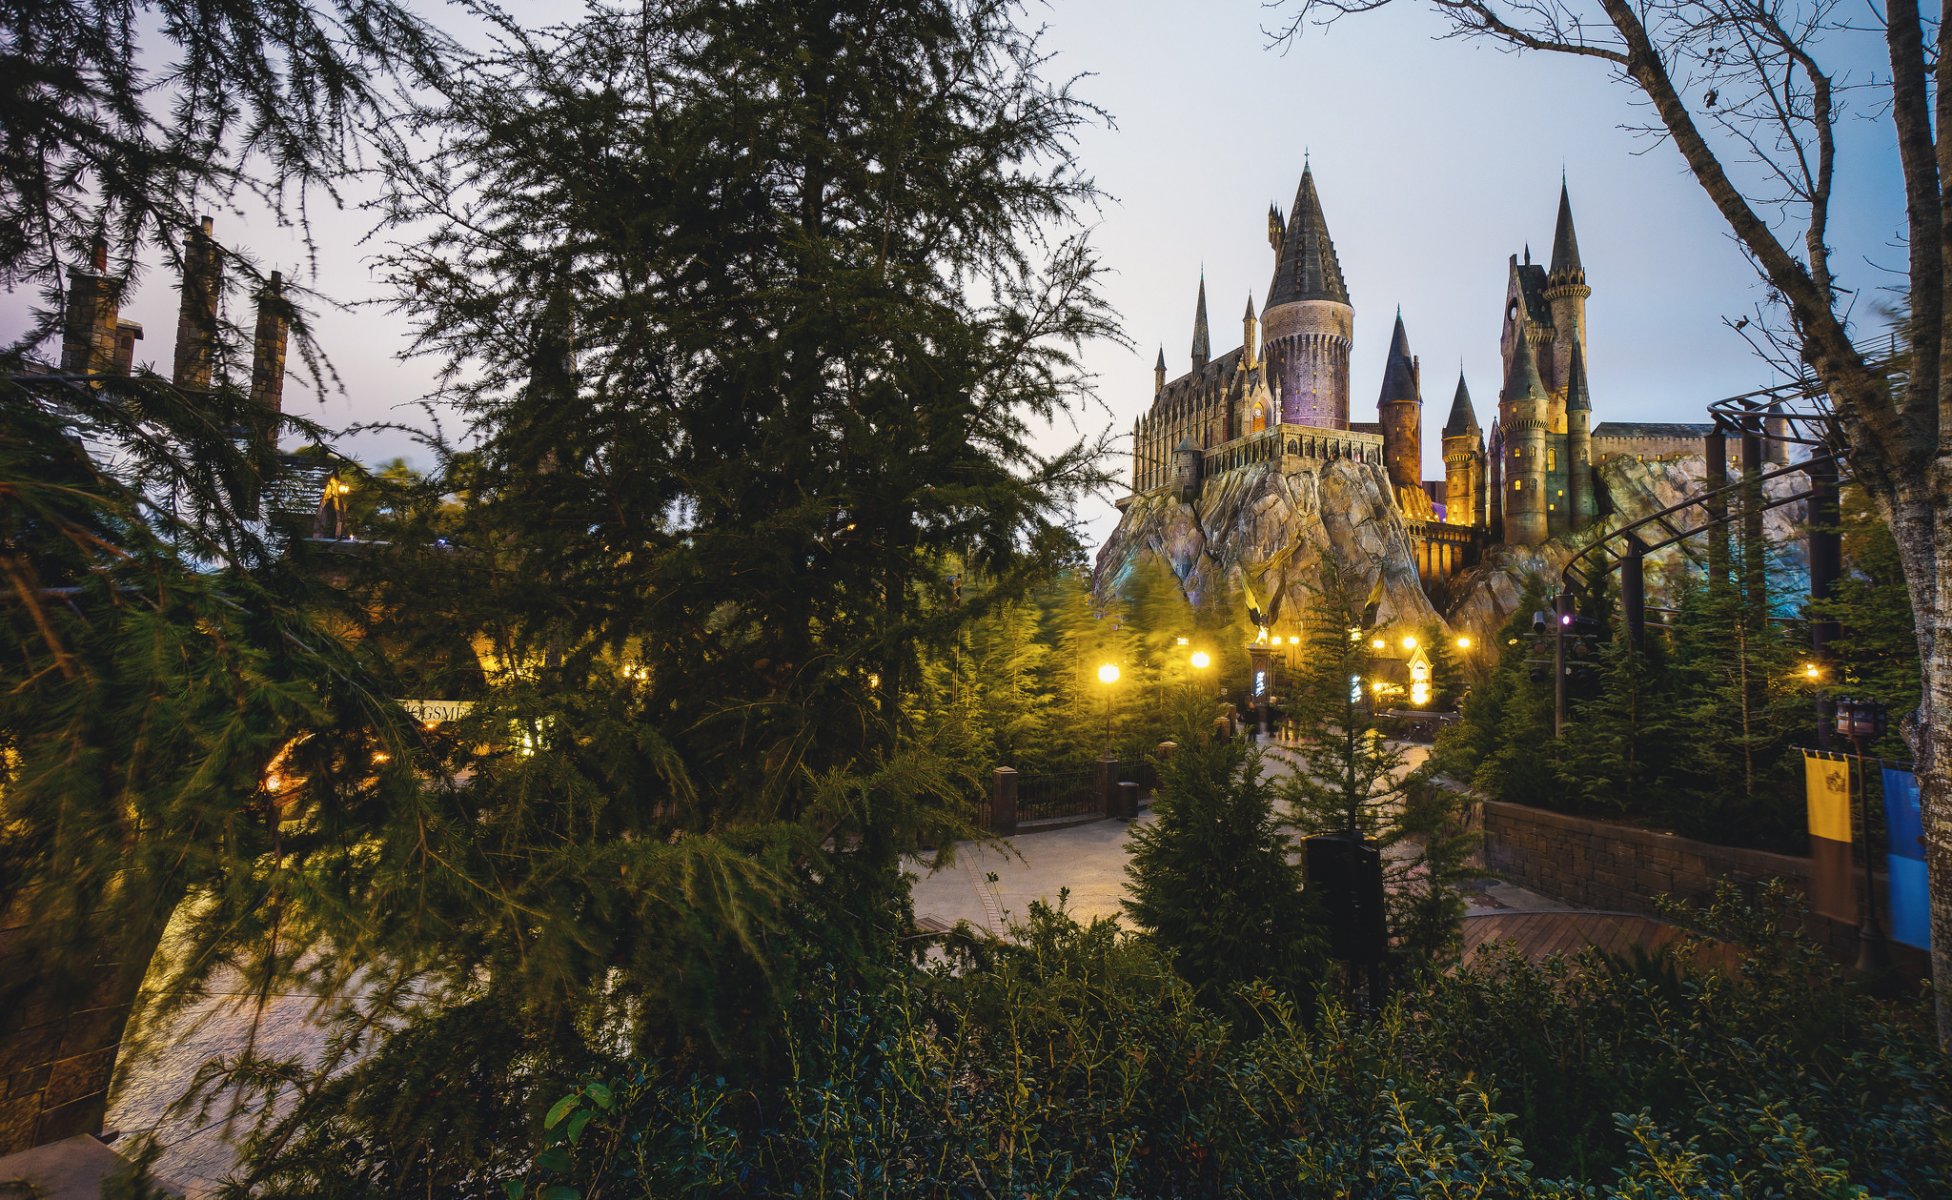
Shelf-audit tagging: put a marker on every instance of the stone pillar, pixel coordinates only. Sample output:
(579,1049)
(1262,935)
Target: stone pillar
(268,348)
(1715,448)
(1003,802)
(196,315)
(88,339)
(1108,786)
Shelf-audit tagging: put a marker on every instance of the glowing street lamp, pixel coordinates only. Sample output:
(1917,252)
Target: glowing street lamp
(1377,643)
(1108,675)
(1464,641)
(1201,660)
(1409,643)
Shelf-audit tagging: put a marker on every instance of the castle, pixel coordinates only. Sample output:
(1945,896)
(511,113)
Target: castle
(1283,396)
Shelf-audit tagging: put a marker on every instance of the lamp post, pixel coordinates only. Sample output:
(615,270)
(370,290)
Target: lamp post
(1108,675)
(1863,721)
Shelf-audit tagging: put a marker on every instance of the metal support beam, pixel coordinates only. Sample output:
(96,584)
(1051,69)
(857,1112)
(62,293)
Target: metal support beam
(1754,578)
(1633,593)
(1715,447)
(1561,621)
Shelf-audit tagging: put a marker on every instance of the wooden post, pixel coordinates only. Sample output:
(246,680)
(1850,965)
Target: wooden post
(1633,593)
(1715,447)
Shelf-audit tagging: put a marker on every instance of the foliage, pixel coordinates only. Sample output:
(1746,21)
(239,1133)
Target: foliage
(1211,881)
(1073,1063)
(1877,644)
(131,120)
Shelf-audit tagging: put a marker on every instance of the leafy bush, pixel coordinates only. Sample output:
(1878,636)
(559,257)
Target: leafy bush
(1074,1063)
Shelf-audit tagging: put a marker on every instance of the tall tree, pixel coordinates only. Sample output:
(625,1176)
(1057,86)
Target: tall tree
(1751,94)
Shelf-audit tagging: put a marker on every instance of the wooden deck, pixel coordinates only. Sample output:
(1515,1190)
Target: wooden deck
(1540,934)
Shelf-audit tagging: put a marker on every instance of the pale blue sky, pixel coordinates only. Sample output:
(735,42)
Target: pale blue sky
(1435,161)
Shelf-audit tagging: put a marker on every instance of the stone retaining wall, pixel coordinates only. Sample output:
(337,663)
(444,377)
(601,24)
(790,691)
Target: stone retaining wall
(1604,865)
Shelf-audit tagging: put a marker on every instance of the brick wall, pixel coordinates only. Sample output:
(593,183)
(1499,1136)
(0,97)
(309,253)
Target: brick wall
(1603,865)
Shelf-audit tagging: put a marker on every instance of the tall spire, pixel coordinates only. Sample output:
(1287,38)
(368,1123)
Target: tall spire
(1307,268)
(1578,397)
(1463,418)
(1565,243)
(1399,371)
(1202,351)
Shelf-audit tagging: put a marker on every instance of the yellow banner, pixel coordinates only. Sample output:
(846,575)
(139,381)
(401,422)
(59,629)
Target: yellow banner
(1827,780)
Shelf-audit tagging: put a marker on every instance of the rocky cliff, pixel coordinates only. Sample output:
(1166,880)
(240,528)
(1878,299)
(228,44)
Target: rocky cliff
(1279,520)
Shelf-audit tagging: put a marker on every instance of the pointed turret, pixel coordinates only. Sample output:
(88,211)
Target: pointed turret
(1399,370)
(1582,502)
(1249,331)
(1566,266)
(1578,398)
(1307,268)
(1277,228)
(1522,382)
(1159,373)
(1463,461)
(1400,411)
(1523,410)
(1202,352)
(1463,418)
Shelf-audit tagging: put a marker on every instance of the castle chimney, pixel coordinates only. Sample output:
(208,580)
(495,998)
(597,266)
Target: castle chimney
(196,317)
(88,338)
(268,349)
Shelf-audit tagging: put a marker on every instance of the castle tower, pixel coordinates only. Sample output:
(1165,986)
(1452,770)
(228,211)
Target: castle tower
(1582,505)
(1565,295)
(1463,461)
(1400,410)
(89,343)
(1186,470)
(1159,374)
(268,347)
(196,316)
(1522,410)
(1202,351)
(1308,323)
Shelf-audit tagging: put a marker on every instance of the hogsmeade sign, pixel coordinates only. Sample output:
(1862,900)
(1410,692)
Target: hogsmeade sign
(434,712)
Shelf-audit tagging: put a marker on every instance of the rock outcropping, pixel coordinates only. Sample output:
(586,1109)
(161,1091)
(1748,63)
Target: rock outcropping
(1276,522)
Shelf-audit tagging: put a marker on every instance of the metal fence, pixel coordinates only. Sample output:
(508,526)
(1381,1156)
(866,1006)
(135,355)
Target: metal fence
(1052,794)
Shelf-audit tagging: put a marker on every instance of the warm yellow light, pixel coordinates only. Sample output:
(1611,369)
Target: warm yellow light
(1201,660)
(1355,635)
(1377,687)
(1419,694)
(1108,673)
(1179,641)
(381,756)
(274,783)
(1294,640)
(1377,643)
(1409,643)
(1812,671)
(1464,642)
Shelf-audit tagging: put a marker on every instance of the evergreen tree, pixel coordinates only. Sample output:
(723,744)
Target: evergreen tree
(1211,880)
(1346,772)
(756,309)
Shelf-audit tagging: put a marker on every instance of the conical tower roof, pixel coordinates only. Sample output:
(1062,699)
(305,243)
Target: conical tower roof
(1249,315)
(1565,243)
(1161,364)
(1399,372)
(1307,268)
(1463,418)
(1523,378)
(1201,343)
(1577,396)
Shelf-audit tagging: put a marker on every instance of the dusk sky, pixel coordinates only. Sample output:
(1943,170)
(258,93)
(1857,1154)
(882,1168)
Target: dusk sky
(1435,161)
